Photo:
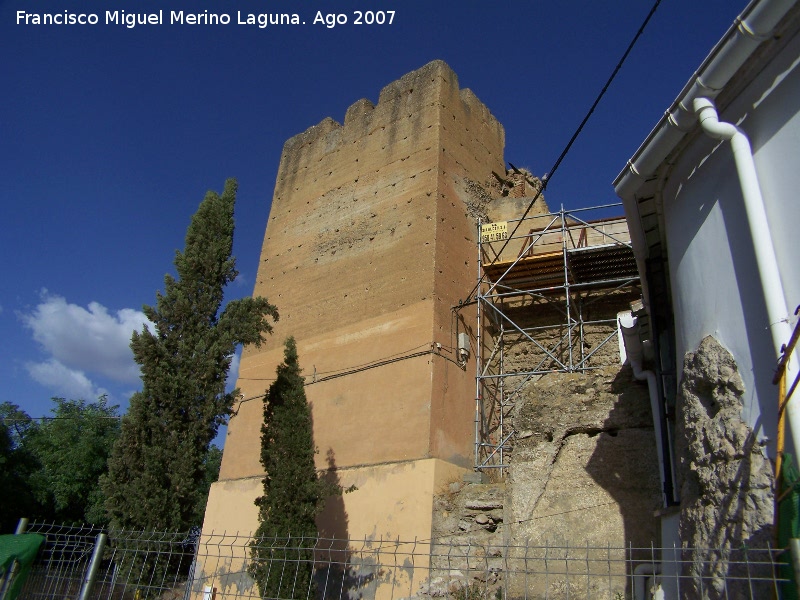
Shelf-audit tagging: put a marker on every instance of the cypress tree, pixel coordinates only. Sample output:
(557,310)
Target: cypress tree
(157,467)
(293,493)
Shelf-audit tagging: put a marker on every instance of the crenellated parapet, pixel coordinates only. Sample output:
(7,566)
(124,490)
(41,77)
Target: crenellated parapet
(371,240)
(421,100)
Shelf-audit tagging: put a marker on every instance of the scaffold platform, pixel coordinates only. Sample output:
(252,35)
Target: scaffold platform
(552,283)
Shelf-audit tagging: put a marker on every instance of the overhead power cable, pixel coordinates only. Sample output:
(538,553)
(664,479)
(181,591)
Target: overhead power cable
(549,175)
(603,91)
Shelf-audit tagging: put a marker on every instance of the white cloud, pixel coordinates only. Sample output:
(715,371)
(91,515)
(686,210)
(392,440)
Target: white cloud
(81,340)
(82,343)
(64,381)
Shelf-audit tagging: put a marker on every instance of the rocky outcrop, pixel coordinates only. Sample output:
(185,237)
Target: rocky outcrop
(585,455)
(724,475)
(584,472)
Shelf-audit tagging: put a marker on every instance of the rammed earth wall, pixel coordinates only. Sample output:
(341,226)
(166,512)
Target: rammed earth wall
(371,240)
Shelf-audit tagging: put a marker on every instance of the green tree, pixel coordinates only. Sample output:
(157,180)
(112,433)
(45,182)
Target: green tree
(72,451)
(17,466)
(211,465)
(16,422)
(293,492)
(157,467)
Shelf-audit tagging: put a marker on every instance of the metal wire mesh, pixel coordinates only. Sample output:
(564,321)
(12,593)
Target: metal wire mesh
(62,561)
(132,564)
(212,566)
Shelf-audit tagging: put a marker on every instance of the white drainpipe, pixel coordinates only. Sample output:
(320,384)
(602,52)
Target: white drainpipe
(640,576)
(751,28)
(633,349)
(777,311)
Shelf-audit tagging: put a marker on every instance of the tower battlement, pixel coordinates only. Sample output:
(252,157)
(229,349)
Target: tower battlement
(401,99)
(370,241)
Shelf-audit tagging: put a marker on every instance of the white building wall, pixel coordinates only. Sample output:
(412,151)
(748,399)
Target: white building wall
(713,271)
(775,120)
(715,282)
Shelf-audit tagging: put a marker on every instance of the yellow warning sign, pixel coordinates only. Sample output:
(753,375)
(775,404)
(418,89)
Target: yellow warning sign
(494,232)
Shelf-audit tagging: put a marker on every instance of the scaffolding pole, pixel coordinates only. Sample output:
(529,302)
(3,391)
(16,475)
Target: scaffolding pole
(596,261)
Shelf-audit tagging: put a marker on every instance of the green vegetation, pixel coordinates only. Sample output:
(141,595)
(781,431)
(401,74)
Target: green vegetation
(293,492)
(50,470)
(17,464)
(157,469)
(73,450)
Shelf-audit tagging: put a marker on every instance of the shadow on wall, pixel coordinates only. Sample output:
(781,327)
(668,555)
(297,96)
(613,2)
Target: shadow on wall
(341,575)
(332,521)
(625,464)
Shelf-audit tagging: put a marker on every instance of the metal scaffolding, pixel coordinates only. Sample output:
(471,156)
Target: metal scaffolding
(549,287)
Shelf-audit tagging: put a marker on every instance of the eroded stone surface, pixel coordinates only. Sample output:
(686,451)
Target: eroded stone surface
(589,455)
(583,471)
(724,476)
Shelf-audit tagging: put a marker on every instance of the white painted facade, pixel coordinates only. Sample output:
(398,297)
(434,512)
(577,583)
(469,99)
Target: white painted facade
(691,227)
(696,203)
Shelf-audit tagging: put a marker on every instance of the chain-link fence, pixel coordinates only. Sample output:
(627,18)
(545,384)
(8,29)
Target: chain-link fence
(82,562)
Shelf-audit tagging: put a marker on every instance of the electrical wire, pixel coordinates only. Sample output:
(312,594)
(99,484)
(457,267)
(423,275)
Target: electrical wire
(343,369)
(549,175)
(433,349)
(370,366)
(334,374)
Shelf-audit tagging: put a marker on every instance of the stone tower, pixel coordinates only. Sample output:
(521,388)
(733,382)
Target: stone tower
(371,241)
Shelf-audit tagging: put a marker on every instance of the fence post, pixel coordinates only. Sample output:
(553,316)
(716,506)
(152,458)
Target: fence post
(794,545)
(8,575)
(94,566)
(22,526)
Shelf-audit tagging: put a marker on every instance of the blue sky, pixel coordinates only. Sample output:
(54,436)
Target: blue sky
(110,136)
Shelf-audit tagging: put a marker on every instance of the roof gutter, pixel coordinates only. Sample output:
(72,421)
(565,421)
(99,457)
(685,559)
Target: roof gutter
(753,26)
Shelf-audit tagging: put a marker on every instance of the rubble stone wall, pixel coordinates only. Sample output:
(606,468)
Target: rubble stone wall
(724,475)
(546,322)
(583,471)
